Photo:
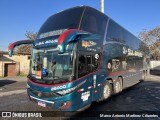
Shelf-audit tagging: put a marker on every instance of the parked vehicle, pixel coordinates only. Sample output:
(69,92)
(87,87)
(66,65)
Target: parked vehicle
(80,56)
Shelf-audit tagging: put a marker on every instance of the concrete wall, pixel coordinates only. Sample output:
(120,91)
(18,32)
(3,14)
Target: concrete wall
(155,64)
(22,64)
(2,66)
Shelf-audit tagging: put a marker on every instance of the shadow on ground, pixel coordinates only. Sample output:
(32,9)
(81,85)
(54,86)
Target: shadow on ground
(143,96)
(6,82)
(155,72)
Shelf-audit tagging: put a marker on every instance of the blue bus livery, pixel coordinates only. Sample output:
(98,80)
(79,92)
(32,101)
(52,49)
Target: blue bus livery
(81,55)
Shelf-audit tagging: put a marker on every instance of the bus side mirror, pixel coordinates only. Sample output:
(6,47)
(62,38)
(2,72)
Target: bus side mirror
(62,48)
(13,45)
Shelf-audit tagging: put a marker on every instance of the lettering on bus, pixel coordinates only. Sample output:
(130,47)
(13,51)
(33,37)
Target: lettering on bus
(91,49)
(51,33)
(85,96)
(131,52)
(46,42)
(58,87)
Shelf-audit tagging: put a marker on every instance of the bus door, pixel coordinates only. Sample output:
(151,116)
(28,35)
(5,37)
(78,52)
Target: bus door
(88,63)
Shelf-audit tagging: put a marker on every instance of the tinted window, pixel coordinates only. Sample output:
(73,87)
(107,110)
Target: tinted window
(94,22)
(116,59)
(115,32)
(67,19)
(118,34)
(88,63)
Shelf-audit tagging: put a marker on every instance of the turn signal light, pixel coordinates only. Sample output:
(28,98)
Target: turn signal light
(66,104)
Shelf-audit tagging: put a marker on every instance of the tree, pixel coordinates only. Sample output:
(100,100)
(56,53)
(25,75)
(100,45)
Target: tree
(26,48)
(151,38)
(155,51)
(31,35)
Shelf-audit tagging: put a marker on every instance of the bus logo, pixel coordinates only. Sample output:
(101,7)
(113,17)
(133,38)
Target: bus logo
(58,87)
(88,43)
(39,94)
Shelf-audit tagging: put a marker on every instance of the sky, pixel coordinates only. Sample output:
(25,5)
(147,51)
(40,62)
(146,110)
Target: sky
(19,16)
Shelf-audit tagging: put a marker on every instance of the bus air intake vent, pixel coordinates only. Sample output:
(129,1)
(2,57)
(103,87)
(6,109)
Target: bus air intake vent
(43,94)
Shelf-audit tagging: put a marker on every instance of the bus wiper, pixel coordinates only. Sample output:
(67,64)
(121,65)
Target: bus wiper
(59,80)
(56,77)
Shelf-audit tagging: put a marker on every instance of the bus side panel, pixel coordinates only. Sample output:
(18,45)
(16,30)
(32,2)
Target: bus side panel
(120,60)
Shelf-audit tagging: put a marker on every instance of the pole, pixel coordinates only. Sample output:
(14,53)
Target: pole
(102,5)
(2,66)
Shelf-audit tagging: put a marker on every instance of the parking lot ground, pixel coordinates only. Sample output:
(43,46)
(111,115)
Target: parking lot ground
(144,96)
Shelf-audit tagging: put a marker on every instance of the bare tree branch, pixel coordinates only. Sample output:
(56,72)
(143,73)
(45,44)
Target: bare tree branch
(152,39)
(26,48)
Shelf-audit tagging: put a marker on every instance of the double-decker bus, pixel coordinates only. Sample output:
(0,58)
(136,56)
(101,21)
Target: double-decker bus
(81,55)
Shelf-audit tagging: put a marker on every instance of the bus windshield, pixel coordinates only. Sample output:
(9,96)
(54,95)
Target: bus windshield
(50,66)
(69,19)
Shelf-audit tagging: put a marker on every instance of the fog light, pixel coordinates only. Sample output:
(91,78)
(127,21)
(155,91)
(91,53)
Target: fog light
(66,104)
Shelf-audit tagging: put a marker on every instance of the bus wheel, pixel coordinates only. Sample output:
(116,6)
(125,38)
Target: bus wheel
(107,90)
(118,85)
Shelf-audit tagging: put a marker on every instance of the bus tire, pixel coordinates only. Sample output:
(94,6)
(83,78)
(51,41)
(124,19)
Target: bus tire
(118,86)
(107,90)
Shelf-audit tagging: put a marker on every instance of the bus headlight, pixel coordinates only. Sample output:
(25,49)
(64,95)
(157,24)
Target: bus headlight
(64,92)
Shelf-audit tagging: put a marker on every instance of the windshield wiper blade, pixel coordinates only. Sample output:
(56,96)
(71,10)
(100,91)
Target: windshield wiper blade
(59,80)
(56,77)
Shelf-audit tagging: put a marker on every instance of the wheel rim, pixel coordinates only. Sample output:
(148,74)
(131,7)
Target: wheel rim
(118,87)
(106,92)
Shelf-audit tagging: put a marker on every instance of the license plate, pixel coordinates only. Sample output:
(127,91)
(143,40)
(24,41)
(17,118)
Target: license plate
(40,103)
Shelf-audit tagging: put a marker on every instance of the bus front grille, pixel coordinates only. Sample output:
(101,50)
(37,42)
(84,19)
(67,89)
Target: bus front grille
(43,94)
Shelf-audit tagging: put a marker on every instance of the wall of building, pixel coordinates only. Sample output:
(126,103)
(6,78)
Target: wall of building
(155,64)
(1,68)
(22,64)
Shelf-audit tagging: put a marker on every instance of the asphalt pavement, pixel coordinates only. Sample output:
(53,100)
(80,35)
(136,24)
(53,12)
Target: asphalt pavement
(144,96)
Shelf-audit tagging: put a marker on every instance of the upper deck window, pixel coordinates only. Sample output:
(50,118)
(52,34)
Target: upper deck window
(116,33)
(68,19)
(94,22)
